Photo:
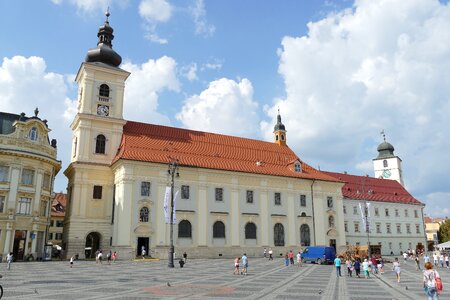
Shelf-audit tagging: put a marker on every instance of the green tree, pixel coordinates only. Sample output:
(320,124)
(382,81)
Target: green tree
(444,232)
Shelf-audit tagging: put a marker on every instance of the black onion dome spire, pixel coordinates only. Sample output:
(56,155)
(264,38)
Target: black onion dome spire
(279,125)
(104,52)
(385,149)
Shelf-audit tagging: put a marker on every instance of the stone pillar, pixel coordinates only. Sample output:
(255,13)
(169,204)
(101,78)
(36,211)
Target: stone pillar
(265,218)
(38,191)
(291,230)
(7,247)
(124,212)
(202,213)
(235,215)
(33,243)
(13,186)
(27,239)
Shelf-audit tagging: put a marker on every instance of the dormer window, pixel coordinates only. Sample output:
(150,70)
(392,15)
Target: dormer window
(297,167)
(33,134)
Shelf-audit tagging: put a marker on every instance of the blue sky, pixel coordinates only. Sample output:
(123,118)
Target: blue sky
(340,72)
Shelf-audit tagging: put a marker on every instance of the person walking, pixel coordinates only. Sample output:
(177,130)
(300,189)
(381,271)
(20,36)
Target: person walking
(417,261)
(396,268)
(114,256)
(244,264)
(109,256)
(100,256)
(236,266)
(365,266)
(348,263)
(9,260)
(429,281)
(143,252)
(265,252)
(441,260)
(291,257)
(185,256)
(286,260)
(374,265)
(446,260)
(96,255)
(71,261)
(270,254)
(357,266)
(299,259)
(435,259)
(337,263)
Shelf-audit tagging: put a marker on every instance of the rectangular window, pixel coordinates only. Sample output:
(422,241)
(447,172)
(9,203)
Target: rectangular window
(345,209)
(219,194)
(302,200)
(249,196)
(408,228)
(24,206)
(185,192)
(2,203)
(416,215)
(345,226)
(356,227)
(59,223)
(97,194)
(386,211)
(50,236)
(355,210)
(27,177)
(145,188)
(4,172)
(330,202)
(46,182)
(377,213)
(388,228)
(406,213)
(44,208)
(417,228)
(390,245)
(378,228)
(396,213)
(399,228)
(58,236)
(277,197)
(358,243)
(52,223)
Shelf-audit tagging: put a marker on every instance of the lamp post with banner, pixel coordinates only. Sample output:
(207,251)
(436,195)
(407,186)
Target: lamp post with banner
(173,172)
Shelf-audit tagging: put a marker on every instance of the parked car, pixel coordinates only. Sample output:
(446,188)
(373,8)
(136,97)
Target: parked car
(319,254)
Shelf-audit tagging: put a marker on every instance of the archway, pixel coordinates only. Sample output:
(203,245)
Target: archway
(92,244)
(305,236)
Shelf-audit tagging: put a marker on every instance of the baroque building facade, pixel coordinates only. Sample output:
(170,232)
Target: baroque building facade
(28,166)
(234,194)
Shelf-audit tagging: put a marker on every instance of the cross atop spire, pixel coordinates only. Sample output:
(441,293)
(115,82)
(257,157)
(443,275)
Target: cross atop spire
(383,134)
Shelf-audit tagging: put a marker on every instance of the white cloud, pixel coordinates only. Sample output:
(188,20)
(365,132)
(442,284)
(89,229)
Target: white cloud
(381,64)
(437,204)
(155,10)
(212,66)
(144,86)
(190,72)
(26,84)
(89,6)
(226,107)
(202,27)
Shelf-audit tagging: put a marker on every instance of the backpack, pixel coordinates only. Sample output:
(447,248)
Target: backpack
(438,283)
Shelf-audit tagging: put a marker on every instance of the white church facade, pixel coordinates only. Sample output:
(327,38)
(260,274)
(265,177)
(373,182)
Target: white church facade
(234,194)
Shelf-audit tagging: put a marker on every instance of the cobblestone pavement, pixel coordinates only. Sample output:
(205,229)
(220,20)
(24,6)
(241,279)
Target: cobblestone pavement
(204,279)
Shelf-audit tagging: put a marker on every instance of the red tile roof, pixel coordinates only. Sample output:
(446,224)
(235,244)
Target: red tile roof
(60,199)
(158,144)
(374,189)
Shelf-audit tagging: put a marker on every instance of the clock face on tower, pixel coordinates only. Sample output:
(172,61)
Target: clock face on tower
(102,110)
(386,174)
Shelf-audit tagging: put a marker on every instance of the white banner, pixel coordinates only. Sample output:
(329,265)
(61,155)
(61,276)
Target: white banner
(166,205)
(365,219)
(175,207)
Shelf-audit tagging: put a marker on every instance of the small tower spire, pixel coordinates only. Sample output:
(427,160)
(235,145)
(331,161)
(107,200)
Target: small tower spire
(280,131)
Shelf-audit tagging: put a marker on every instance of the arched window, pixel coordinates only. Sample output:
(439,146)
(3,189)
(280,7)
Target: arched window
(282,137)
(104,91)
(33,134)
(100,142)
(278,234)
(330,221)
(385,163)
(305,236)
(250,231)
(218,230)
(184,229)
(143,214)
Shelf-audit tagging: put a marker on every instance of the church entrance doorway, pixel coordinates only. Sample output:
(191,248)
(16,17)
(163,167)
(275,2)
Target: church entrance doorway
(19,244)
(333,243)
(142,243)
(92,244)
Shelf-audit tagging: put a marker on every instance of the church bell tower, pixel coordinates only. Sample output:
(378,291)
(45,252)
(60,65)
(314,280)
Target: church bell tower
(279,131)
(386,164)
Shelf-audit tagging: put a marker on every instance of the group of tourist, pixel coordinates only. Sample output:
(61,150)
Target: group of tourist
(242,271)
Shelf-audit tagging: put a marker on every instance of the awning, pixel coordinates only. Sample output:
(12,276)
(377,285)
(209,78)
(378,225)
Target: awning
(445,245)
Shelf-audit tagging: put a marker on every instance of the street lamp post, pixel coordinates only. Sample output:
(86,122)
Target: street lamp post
(366,216)
(173,171)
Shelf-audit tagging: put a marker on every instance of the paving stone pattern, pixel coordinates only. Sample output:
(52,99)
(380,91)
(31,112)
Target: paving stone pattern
(205,279)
